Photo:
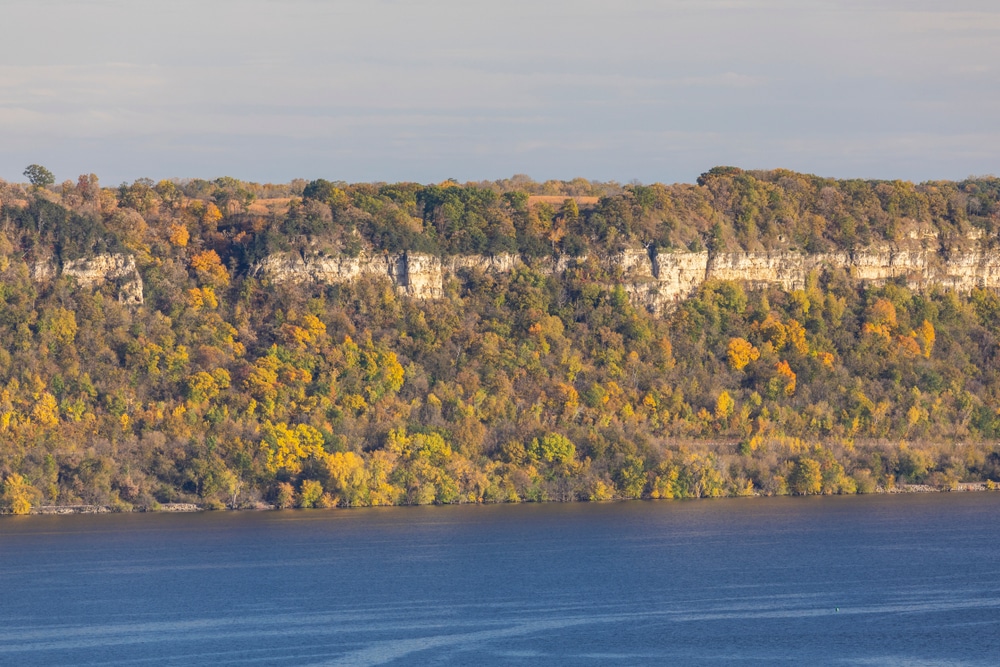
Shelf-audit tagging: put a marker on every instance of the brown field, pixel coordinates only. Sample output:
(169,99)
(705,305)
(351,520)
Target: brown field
(265,206)
(557,200)
(280,204)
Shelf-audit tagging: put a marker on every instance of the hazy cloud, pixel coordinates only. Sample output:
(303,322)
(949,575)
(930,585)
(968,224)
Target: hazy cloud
(647,89)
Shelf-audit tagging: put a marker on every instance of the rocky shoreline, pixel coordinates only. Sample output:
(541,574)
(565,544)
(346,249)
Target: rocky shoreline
(926,488)
(108,509)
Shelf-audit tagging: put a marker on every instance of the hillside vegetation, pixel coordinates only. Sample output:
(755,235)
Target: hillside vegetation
(225,390)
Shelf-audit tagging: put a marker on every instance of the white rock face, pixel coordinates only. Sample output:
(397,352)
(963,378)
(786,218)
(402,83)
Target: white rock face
(967,271)
(658,280)
(655,280)
(496,264)
(414,274)
(874,266)
(786,269)
(420,276)
(41,271)
(289,268)
(118,269)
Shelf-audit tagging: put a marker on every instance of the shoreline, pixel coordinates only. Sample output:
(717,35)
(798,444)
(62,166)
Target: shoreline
(174,508)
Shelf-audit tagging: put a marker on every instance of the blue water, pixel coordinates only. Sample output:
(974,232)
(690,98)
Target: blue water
(742,581)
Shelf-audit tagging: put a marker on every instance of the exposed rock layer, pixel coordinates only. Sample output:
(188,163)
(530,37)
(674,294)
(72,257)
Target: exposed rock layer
(653,280)
(117,269)
(656,280)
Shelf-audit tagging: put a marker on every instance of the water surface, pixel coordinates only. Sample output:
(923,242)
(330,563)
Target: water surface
(909,580)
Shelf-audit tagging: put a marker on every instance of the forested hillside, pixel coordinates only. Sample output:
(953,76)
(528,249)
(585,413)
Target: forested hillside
(225,389)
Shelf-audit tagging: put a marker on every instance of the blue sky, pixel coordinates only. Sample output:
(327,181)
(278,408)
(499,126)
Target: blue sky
(270,90)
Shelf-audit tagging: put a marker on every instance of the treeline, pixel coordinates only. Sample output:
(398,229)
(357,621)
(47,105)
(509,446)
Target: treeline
(226,391)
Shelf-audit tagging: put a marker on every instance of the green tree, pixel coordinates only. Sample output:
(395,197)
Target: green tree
(807,477)
(310,493)
(321,190)
(553,448)
(39,176)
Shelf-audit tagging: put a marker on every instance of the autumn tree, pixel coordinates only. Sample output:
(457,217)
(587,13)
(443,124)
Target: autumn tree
(741,352)
(18,495)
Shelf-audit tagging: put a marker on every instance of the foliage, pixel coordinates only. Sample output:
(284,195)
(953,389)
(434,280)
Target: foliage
(39,176)
(225,389)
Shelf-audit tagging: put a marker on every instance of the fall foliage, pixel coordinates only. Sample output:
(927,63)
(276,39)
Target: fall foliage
(226,390)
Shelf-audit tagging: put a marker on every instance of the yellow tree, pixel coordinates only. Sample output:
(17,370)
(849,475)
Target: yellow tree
(740,353)
(774,331)
(287,447)
(724,405)
(925,336)
(18,494)
(208,267)
(797,336)
(347,478)
(179,235)
(310,494)
(787,377)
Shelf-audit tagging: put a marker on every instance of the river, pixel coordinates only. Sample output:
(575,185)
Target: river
(865,580)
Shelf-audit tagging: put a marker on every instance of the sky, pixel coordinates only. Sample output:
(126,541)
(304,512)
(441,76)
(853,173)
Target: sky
(390,90)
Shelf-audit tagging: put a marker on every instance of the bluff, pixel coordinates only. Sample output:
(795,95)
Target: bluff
(118,270)
(655,280)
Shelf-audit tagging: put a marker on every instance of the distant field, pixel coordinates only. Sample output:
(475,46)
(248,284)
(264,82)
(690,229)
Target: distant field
(280,204)
(534,200)
(265,206)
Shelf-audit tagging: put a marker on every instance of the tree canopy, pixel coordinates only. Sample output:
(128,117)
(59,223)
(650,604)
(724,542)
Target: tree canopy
(227,390)
(39,176)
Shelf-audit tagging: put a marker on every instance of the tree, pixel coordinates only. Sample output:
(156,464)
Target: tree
(310,493)
(17,494)
(553,448)
(807,477)
(88,187)
(741,353)
(724,405)
(39,176)
(208,266)
(925,335)
(320,189)
(570,211)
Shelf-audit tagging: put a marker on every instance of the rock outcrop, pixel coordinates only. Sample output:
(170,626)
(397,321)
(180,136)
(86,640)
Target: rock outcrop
(967,271)
(325,269)
(658,279)
(654,280)
(118,270)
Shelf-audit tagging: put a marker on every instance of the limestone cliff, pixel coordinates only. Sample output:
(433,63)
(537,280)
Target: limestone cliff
(414,274)
(119,270)
(967,271)
(654,280)
(325,269)
(657,279)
